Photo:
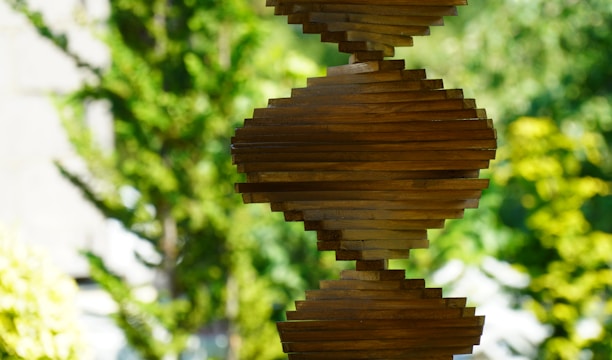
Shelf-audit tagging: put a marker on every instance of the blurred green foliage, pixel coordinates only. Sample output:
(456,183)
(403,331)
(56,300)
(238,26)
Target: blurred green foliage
(567,258)
(38,318)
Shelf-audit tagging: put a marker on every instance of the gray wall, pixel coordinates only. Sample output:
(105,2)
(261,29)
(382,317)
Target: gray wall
(36,203)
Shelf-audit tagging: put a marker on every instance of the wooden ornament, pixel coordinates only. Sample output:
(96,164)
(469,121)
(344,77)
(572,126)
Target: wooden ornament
(370,157)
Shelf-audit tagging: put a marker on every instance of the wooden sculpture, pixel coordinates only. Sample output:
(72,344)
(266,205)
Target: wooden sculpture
(370,157)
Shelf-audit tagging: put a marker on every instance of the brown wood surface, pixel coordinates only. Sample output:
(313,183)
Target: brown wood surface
(342,79)
(396,333)
(423,185)
(379,318)
(357,225)
(368,98)
(372,9)
(409,354)
(391,193)
(399,155)
(392,294)
(331,17)
(452,145)
(293,176)
(370,165)
(426,342)
(433,108)
(364,245)
(366,67)
(272,116)
(416,131)
(372,275)
(349,255)
(364,166)
(369,32)
(373,285)
(375,265)
(370,157)
(372,234)
(334,325)
(368,88)
(367,2)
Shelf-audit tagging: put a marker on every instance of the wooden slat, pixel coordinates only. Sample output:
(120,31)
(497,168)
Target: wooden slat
(315,204)
(297,157)
(376,265)
(356,304)
(352,47)
(364,18)
(403,30)
(300,176)
(367,98)
(372,285)
(327,214)
(360,137)
(256,126)
(406,314)
(398,333)
(374,224)
(377,254)
(365,245)
(393,185)
(370,114)
(367,77)
(366,305)
(368,88)
(372,9)
(368,2)
(387,354)
(381,344)
(392,194)
(364,166)
(429,108)
(352,35)
(365,67)
(272,116)
(371,275)
(349,234)
(429,145)
(374,294)
(321,325)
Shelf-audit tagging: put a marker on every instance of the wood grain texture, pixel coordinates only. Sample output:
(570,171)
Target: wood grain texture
(370,157)
(390,146)
(367,31)
(385,317)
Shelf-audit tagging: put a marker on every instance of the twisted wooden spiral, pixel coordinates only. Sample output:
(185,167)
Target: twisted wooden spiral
(370,157)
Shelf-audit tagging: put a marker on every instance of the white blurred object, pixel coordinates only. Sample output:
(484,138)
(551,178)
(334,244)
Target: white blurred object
(42,207)
(509,334)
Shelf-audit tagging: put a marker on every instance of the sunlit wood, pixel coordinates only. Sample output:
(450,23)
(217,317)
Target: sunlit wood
(370,157)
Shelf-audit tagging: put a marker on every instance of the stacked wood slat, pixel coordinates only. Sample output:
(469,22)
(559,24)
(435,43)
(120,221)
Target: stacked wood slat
(369,30)
(383,317)
(391,156)
(370,157)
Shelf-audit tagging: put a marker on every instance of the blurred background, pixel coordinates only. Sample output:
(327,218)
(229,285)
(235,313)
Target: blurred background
(116,176)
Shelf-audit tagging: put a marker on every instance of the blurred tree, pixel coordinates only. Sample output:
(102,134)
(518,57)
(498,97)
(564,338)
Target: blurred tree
(38,320)
(568,260)
(182,75)
(548,208)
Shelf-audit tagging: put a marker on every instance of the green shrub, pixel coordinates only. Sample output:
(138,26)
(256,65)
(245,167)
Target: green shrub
(38,317)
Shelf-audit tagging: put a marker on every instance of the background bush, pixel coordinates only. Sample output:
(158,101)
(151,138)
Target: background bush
(37,307)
